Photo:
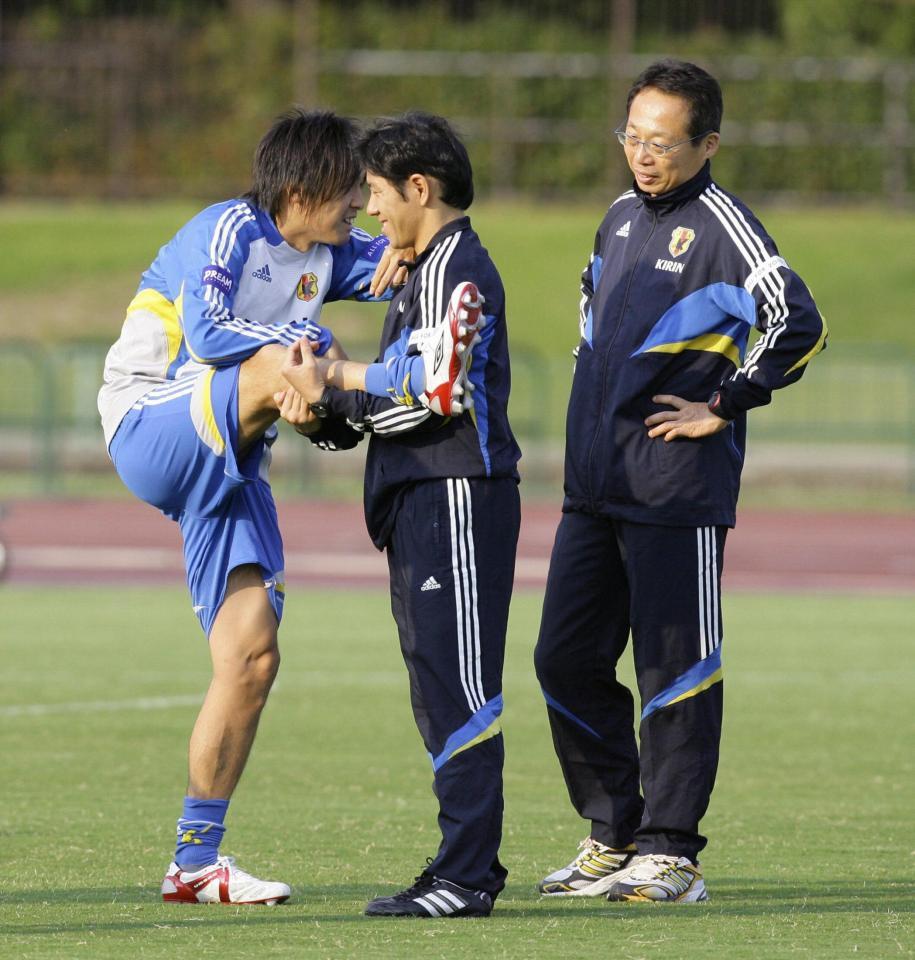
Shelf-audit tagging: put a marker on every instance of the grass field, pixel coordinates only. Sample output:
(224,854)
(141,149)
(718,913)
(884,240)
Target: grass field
(857,261)
(811,851)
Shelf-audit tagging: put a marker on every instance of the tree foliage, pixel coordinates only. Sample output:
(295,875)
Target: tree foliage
(129,98)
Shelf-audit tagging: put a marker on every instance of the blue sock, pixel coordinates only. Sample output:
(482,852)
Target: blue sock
(398,376)
(200,830)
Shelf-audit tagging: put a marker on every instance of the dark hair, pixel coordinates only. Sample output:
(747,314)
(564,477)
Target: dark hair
(416,142)
(311,152)
(697,87)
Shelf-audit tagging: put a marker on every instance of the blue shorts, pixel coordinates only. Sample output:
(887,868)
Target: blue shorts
(177,450)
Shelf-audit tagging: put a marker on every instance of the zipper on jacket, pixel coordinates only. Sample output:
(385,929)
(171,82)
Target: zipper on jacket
(603,394)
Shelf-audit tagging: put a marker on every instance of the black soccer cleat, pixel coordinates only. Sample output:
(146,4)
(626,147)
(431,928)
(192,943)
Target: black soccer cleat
(431,897)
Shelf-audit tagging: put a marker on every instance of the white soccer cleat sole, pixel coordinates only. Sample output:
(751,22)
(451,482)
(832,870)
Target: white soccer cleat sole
(221,882)
(447,353)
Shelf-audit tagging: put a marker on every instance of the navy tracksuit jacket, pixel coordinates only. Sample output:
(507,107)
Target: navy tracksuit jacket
(671,293)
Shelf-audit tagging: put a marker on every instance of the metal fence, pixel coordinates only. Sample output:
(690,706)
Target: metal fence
(849,422)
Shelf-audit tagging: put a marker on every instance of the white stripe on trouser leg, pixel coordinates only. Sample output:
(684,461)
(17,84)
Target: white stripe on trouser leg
(709,620)
(700,554)
(469,593)
(713,573)
(709,626)
(457,546)
(476,664)
(468,575)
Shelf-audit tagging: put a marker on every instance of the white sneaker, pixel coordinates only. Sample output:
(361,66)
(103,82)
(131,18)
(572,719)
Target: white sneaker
(659,879)
(220,882)
(590,873)
(446,353)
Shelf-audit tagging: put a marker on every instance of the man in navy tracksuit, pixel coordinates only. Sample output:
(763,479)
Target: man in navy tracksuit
(680,274)
(441,498)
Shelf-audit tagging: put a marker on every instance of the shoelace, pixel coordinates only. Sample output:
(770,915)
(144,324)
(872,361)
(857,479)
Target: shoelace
(664,864)
(423,882)
(587,846)
(241,876)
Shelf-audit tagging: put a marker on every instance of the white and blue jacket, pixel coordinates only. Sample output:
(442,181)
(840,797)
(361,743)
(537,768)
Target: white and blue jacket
(670,295)
(226,284)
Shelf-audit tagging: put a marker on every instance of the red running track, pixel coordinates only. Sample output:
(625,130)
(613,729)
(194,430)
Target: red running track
(88,541)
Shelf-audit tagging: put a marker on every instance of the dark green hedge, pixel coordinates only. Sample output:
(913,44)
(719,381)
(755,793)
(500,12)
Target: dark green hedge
(96,99)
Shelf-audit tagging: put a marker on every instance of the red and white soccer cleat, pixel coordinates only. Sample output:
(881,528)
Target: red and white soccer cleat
(221,882)
(446,354)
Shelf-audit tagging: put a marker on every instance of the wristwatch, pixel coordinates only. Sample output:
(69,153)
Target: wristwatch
(321,408)
(716,403)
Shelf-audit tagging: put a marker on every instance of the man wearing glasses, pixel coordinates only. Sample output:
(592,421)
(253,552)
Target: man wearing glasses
(681,273)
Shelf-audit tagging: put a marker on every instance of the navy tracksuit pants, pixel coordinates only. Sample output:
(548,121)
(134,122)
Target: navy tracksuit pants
(451,558)
(608,577)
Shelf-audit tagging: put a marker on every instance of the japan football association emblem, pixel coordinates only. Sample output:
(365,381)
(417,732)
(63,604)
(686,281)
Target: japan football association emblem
(307,288)
(680,239)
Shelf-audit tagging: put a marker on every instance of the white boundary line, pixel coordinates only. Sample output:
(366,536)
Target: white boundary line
(102,706)
(146,559)
(371,567)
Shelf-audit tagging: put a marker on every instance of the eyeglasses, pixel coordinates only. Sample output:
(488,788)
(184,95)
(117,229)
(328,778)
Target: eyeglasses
(655,149)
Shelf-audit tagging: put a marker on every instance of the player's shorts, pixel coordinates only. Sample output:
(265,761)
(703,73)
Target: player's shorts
(177,449)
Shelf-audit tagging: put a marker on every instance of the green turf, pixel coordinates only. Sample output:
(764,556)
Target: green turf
(811,851)
(856,260)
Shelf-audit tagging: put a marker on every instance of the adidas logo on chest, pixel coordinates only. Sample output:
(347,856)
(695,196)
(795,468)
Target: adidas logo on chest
(263,273)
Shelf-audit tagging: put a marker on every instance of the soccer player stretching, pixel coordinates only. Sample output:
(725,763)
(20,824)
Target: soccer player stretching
(188,407)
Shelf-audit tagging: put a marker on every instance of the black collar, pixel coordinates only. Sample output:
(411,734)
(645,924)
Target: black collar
(462,223)
(665,202)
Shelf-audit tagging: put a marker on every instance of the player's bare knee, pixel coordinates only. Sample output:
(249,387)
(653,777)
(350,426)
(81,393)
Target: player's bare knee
(252,676)
(265,668)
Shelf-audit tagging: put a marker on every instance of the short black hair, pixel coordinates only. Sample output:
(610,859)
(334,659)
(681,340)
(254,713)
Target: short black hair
(310,152)
(416,142)
(696,86)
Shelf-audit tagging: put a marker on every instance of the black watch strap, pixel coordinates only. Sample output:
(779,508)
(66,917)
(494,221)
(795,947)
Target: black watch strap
(718,405)
(321,408)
